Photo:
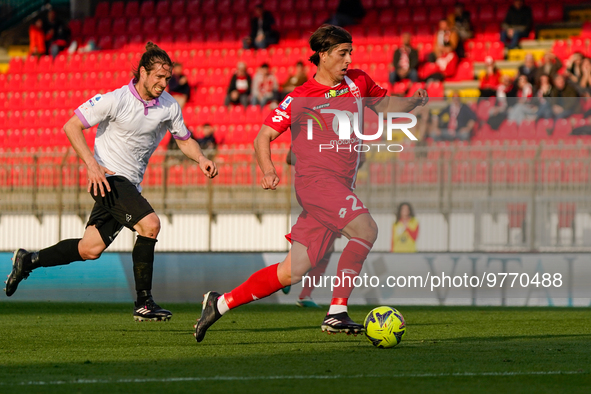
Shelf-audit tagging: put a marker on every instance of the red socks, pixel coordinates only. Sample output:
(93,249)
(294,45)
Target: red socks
(349,267)
(261,284)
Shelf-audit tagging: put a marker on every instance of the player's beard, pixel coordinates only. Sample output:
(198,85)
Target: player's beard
(151,92)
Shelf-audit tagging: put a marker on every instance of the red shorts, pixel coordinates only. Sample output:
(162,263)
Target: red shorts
(328,207)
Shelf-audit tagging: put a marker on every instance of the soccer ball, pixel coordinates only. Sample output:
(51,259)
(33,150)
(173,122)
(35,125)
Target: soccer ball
(384,327)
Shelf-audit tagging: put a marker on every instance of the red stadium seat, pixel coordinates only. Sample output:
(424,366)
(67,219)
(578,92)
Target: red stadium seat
(226,23)
(75,27)
(210,24)
(486,14)
(134,25)
(555,12)
(419,15)
(177,7)
(103,27)
(164,25)
(163,8)
(119,26)
(149,25)
(242,22)
(318,5)
(132,9)
(436,14)
(117,9)
(402,16)
(89,27)
(105,42)
(539,13)
(180,24)
(193,7)
(102,10)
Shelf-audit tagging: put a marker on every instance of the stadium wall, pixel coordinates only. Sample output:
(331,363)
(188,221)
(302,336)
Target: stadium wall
(184,277)
(265,233)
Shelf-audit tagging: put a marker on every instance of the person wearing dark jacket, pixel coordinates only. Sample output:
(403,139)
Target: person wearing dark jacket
(261,30)
(240,86)
(349,12)
(406,62)
(517,24)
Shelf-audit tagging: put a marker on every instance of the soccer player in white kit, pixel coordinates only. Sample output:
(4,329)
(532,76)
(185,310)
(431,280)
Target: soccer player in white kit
(131,122)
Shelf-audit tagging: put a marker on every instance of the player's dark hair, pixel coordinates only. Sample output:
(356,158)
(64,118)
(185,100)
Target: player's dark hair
(326,38)
(411,211)
(153,55)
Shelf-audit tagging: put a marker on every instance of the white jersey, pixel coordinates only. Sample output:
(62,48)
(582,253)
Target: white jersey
(130,129)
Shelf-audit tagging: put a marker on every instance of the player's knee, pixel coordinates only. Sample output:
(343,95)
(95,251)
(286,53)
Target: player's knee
(367,230)
(149,227)
(91,252)
(371,231)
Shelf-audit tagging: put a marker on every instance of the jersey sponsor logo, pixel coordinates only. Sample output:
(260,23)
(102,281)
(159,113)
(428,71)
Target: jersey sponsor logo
(127,217)
(336,93)
(280,115)
(285,103)
(95,99)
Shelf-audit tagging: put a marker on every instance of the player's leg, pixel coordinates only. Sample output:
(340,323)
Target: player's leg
(89,247)
(142,255)
(362,232)
(305,298)
(261,284)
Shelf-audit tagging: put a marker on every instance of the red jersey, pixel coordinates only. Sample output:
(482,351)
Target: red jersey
(314,159)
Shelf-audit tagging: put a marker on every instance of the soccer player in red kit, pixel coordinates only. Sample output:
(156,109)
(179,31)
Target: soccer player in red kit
(324,184)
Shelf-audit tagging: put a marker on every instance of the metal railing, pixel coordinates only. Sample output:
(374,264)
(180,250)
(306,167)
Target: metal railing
(522,197)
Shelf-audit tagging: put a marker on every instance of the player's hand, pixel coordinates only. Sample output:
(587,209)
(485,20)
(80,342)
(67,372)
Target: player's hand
(421,94)
(270,181)
(208,167)
(97,178)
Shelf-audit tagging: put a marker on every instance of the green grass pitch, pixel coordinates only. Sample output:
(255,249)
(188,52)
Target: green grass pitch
(63,347)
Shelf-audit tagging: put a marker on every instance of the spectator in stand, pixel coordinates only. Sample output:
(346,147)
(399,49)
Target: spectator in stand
(37,38)
(178,86)
(544,89)
(517,24)
(297,79)
(208,140)
(261,30)
(584,84)
(528,68)
(405,230)
(445,36)
(349,12)
(455,121)
(573,67)
(447,63)
(406,62)
(56,35)
(491,79)
(240,87)
(522,108)
(460,20)
(550,66)
(562,102)
(264,86)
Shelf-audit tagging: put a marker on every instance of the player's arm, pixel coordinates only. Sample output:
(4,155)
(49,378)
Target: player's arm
(262,147)
(74,130)
(191,149)
(402,104)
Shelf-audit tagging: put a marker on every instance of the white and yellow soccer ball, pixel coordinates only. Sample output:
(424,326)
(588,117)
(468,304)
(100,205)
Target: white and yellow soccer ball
(384,327)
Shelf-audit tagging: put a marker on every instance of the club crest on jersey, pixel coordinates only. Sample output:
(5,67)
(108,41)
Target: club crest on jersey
(285,103)
(336,93)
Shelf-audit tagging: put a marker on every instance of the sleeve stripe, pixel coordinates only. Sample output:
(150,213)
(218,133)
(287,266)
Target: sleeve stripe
(186,137)
(82,118)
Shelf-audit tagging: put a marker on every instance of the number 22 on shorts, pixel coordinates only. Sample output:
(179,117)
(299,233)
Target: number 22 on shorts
(354,206)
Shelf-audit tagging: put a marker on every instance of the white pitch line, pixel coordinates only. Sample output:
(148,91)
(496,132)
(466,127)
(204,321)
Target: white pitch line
(290,377)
